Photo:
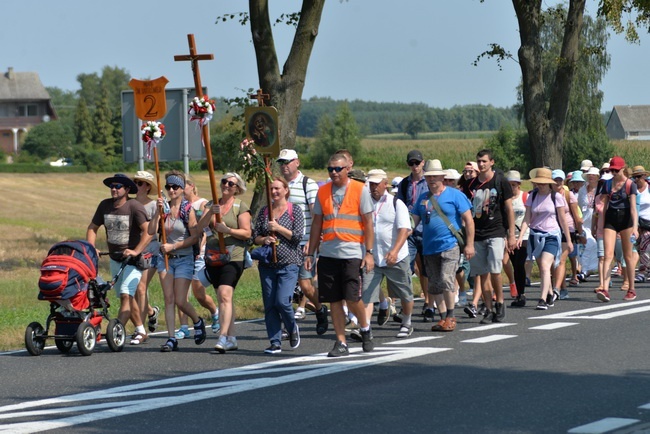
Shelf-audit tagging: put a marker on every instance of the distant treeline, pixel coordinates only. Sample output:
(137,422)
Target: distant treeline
(393,117)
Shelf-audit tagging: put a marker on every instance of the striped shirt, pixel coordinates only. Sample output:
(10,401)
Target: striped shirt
(297,197)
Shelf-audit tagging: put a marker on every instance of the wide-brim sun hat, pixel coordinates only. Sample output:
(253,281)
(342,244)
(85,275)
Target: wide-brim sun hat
(120,178)
(143,175)
(639,170)
(433,168)
(541,175)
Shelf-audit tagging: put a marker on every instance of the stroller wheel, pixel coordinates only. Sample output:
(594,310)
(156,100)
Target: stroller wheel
(86,338)
(64,345)
(34,340)
(115,335)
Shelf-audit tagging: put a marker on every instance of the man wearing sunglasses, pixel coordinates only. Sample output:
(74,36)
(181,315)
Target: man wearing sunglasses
(302,192)
(126,225)
(412,187)
(343,216)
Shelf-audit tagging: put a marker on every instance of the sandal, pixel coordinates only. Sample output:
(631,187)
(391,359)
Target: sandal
(169,346)
(573,282)
(139,338)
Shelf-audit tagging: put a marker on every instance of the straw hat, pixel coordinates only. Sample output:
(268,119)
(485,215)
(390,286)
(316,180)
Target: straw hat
(639,170)
(143,175)
(541,175)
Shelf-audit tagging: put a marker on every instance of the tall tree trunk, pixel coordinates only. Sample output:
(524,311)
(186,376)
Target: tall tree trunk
(546,120)
(285,89)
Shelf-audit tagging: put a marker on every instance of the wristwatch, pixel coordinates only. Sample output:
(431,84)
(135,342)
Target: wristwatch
(371,251)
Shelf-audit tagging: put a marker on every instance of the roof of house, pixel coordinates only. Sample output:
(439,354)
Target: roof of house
(21,86)
(633,117)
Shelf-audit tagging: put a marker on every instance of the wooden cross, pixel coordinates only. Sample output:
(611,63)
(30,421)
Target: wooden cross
(205,130)
(260,97)
(194,59)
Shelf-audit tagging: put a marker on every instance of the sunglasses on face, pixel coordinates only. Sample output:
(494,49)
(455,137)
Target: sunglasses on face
(637,177)
(116,186)
(604,171)
(414,162)
(228,183)
(140,183)
(284,162)
(335,169)
(614,170)
(172,187)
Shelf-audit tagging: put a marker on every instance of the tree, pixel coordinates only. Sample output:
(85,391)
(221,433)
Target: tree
(83,125)
(343,133)
(103,138)
(49,140)
(414,127)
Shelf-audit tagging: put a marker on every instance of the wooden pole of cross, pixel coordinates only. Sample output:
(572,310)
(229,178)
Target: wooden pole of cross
(194,58)
(261,97)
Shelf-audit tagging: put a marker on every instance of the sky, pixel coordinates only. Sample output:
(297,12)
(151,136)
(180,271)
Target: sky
(374,50)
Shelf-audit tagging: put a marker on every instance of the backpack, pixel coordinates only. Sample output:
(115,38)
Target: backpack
(289,209)
(67,269)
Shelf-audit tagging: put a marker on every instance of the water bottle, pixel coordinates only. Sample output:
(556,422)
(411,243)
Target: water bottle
(166,209)
(633,239)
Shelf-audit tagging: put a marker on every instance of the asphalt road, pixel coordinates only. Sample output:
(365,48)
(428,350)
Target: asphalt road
(581,366)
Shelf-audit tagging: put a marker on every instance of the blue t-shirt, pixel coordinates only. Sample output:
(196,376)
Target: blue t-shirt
(436,236)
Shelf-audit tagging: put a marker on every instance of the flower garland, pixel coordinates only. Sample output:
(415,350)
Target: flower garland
(152,133)
(201,109)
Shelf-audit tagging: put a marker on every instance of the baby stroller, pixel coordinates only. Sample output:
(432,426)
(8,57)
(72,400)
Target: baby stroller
(78,302)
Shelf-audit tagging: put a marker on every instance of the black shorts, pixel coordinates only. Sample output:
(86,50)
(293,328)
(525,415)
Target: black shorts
(339,279)
(228,275)
(618,219)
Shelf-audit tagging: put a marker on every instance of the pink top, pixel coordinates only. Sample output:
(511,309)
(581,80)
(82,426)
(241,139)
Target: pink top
(542,214)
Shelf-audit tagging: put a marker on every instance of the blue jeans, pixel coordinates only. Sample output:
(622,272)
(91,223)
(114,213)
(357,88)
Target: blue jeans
(277,292)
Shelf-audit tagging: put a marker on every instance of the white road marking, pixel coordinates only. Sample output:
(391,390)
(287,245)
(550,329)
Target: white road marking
(623,309)
(603,425)
(489,327)
(93,406)
(645,406)
(412,340)
(488,339)
(554,326)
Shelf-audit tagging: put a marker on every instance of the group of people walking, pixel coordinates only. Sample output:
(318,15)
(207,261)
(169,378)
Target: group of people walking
(351,233)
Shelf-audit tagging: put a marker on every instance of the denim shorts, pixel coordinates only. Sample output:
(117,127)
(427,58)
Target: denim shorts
(550,245)
(128,281)
(181,267)
(199,265)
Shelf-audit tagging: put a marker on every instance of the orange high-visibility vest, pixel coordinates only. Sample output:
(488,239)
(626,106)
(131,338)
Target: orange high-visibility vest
(347,224)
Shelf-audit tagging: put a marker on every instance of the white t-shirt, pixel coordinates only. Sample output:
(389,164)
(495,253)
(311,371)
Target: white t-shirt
(297,197)
(644,203)
(387,221)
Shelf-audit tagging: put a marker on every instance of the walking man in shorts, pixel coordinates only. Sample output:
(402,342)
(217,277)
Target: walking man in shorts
(126,227)
(343,216)
(494,220)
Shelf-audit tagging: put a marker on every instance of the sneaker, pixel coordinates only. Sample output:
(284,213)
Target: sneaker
(382,317)
(216,327)
(639,278)
(550,298)
(424,308)
(564,294)
(231,343)
(488,318)
(182,333)
(294,339)
(355,335)
(169,346)
(321,320)
(405,331)
(556,295)
(367,343)
(513,290)
(520,301)
(631,295)
(499,312)
(221,345)
(527,281)
(603,295)
(541,305)
(470,310)
(339,350)
(582,277)
(199,332)
(285,335)
(482,310)
(428,315)
(398,317)
(273,349)
(462,299)
(152,322)
(300,314)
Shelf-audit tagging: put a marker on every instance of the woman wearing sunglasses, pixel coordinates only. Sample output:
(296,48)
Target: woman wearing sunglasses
(236,229)
(181,233)
(619,197)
